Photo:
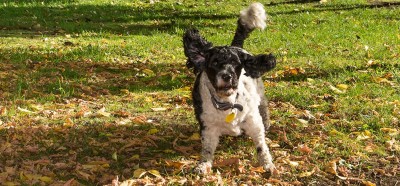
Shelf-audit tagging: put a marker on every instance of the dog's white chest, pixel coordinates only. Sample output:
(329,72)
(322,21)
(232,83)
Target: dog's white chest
(216,119)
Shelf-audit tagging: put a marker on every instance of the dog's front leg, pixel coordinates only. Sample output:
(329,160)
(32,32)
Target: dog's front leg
(209,142)
(255,129)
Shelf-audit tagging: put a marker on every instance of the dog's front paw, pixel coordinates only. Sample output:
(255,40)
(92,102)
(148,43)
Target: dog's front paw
(270,169)
(203,168)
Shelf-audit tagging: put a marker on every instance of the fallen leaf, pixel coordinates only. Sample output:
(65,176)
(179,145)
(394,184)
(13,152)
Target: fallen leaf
(102,112)
(152,131)
(114,156)
(342,87)
(25,110)
(368,183)
(331,167)
(335,90)
(259,169)
(155,173)
(159,109)
(307,174)
(46,179)
(139,119)
(138,173)
(304,149)
(148,72)
(195,137)
(175,164)
(390,131)
(227,162)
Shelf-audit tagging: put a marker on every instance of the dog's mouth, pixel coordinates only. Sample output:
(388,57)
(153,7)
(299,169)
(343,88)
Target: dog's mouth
(226,90)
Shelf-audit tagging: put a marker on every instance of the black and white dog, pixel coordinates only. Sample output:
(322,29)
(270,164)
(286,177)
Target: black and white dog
(228,94)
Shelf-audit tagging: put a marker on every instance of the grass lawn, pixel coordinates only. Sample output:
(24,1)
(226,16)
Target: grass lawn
(95,92)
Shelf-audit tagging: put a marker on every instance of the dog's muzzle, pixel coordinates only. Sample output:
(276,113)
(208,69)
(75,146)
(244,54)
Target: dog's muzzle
(226,84)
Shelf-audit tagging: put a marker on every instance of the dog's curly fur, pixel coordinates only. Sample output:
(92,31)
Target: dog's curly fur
(229,81)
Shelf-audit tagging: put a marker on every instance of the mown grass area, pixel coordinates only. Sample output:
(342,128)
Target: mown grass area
(95,90)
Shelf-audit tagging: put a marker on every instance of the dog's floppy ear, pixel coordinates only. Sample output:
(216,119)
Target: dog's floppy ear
(195,47)
(256,66)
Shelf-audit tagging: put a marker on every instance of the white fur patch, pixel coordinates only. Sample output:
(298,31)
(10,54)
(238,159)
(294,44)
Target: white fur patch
(254,16)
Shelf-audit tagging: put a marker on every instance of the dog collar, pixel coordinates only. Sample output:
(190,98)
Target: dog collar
(225,105)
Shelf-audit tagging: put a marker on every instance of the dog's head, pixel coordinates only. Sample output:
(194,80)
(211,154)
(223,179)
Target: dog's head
(223,64)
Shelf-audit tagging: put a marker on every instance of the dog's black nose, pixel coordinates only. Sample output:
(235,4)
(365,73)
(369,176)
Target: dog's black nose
(226,77)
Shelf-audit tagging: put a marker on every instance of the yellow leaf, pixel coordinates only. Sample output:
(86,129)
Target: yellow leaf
(307,174)
(368,183)
(152,131)
(46,179)
(155,173)
(138,173)
(102,112)
(114,156)
(135,157)
(335,90)
(195,137)
(68,122)
(148,72)
(364,135)
(25,110)
(390,131)
(335,132)
(9,183)
(342,86)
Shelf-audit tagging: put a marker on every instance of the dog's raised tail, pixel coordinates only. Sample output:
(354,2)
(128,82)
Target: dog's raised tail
(250,18)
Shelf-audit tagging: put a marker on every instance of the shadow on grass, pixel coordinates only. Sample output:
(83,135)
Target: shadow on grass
(91,153)
(116,19)
(77,79)
(336,7)
(24,20)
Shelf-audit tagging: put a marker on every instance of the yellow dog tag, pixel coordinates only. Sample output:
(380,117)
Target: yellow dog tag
(230,117)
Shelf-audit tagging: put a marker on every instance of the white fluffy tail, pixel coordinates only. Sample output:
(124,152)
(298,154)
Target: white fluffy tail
(250,18)
(254,16)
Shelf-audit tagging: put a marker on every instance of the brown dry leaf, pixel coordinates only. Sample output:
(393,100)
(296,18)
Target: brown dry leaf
(184,150)
(307,174)
(175,164)
(139,119)
(259,169)
(388,76)
(227,162)
(331,167)
(304,149)
(71,182)
(3,111)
